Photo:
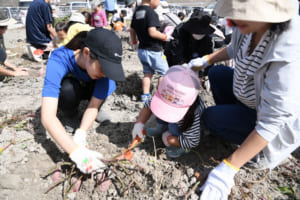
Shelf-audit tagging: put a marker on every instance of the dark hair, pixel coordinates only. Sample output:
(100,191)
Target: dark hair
(278,28)
(124,13)
(188,119)
(69,24)
(180,14)
(88,17)
(78,43)
(60,26)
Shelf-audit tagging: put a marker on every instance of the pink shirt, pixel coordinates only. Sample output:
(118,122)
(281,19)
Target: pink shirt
(99,19)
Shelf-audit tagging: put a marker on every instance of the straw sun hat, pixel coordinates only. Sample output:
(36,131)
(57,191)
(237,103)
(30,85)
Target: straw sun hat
(273,11)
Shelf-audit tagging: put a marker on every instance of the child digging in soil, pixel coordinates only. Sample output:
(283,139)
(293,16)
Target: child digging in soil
(178,109)
(81,70)
(144,28)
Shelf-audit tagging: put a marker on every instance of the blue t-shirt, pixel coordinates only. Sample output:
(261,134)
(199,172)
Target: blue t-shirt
(38,16)
(61,63)
(110,5)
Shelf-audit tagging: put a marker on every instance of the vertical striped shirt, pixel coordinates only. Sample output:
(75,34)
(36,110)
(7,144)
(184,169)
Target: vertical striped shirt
(190,138)
(245,66)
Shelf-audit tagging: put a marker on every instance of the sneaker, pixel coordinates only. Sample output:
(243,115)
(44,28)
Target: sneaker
(102,117)
(175,152)
(156,131)
(259,162)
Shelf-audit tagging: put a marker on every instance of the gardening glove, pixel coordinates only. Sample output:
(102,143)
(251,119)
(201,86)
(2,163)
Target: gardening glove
(165,137)
(138,130)
(80,137)
(168,38)
(87,160)
(219,182)
(202,62)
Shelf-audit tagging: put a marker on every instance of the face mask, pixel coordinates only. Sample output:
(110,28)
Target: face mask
(198,36)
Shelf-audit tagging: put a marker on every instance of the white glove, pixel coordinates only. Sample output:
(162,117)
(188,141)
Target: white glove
(87,160)
(219,182)
(138,130)
(165,137)
(80,137)
(168,38)
(199,62)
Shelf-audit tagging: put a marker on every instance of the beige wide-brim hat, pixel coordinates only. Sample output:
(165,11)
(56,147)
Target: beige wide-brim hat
(273,11)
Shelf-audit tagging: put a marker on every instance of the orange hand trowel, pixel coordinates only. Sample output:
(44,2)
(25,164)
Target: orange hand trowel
(128,155)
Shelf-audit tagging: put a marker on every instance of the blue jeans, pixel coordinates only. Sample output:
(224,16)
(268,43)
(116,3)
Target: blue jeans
(172,127)
(229,119)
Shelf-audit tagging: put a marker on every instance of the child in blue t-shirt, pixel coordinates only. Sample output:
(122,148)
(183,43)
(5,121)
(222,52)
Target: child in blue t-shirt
(82,69)
(144,28)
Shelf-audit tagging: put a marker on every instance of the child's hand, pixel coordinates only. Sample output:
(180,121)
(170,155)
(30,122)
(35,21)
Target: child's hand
(168,38)
(138,130)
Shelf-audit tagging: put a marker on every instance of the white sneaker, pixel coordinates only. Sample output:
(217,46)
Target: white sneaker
(259,162)
(34,54)
(103,117)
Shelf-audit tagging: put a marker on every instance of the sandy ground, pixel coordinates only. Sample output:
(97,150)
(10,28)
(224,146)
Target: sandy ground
(24,164)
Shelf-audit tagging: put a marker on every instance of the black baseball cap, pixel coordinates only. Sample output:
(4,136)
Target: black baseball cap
(2,56)
(107,46)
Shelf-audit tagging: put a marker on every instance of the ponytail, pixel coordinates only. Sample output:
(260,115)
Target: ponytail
(189,116)
(78,41)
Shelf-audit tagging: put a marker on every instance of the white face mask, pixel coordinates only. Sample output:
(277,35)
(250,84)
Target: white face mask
(198,36)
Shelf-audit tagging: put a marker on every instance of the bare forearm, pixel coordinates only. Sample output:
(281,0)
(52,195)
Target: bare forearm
(144,115)
(218,56)
(154,33)
(51,30)
(253,144)
(9,65)
(88,118)
(90,113)
(59,134)
(54,126)
(6,72)
(133,36)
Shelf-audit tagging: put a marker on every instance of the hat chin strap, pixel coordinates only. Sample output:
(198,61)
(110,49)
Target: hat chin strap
(198,36)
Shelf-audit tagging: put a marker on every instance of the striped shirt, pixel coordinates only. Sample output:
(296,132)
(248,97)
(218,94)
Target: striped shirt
(245,67)
(190,138)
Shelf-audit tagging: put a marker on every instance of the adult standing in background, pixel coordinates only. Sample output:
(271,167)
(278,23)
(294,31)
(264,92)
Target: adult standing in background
(39,29)
(110,7)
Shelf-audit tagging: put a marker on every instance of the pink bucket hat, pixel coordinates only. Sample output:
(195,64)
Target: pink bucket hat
(175,94)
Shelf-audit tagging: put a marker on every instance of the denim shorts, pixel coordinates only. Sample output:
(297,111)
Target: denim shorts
(153,61)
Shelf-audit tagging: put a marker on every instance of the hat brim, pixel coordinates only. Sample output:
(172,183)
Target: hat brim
(166,112)
(194,28)
(112,70)
(7,22)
